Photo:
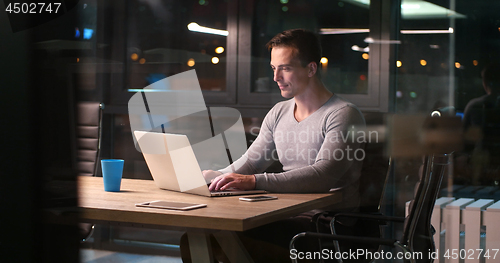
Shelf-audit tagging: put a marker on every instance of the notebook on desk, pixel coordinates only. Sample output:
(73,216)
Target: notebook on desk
(173,165)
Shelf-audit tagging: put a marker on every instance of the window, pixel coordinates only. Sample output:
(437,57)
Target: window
(164,38)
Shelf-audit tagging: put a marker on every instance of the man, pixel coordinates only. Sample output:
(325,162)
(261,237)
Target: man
(482,124)
(313,134)
(473,113)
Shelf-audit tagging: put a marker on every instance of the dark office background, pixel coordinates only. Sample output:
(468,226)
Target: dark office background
(48,64)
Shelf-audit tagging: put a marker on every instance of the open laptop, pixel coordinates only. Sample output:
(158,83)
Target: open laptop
(173,164)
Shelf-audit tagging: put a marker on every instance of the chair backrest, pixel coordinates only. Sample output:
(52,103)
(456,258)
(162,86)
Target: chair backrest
(88,137)
(417,233)
(373,179)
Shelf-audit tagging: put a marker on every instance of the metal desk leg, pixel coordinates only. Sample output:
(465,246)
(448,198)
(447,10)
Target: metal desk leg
(199,247)
(232,247)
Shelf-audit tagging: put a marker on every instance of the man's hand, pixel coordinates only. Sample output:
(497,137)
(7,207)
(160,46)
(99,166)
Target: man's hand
(210,175)
(233,180)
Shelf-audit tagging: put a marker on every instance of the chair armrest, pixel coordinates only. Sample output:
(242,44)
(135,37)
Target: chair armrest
(370,240)
(375,217)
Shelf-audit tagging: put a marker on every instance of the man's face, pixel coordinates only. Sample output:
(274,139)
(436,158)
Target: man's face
(291,77)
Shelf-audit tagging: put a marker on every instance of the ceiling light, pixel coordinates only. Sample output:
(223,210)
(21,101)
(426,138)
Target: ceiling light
(370,40)
(197,28)
(410,6)
(414,32)
(417,9)
(335,31)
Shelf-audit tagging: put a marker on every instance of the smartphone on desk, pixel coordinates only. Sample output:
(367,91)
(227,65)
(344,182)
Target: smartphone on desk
(258,198)
(171,205)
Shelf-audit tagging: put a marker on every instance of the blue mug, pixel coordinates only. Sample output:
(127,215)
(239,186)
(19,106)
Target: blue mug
(112,170)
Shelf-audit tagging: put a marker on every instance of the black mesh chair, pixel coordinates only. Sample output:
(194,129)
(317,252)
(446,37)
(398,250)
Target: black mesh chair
(372,183)
(417,231)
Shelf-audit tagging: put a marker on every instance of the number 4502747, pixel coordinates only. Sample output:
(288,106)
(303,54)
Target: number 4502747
(32,8)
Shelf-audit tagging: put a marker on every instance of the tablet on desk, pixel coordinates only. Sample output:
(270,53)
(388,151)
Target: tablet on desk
(171,205)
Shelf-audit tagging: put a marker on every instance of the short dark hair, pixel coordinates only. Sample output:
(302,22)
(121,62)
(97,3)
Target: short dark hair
(491,76)
(305,42)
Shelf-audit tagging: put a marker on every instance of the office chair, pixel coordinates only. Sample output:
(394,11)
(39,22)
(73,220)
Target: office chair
(417,230)
(88,137)
(373,180)
(88,146)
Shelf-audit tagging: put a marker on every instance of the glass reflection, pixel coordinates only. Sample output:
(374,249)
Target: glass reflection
(340,26)
(169,37)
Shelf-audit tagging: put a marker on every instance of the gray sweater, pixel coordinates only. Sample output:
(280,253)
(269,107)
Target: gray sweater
(319,154)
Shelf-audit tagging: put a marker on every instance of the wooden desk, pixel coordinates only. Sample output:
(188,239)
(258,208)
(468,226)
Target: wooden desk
(222,213)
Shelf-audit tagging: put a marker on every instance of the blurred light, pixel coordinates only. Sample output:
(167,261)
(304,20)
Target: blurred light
(190,62)
(410,6)
(134,56)
(284,1)
(356,48)
(414,32)
(87,33)
(434,46)
(334,31)
(202,2)
(457,65)
(341,4)
(197,28)
(399,94)
(77,32)
(142,61)
(370,40)
(413,94)
(219,50)
(362,77)
(215,60)
(423,62)
(499,29)
(285,8)
(475,63)
(365,56)
(399,64)
(436,113)
(77,60)
(324,63)
(425,9)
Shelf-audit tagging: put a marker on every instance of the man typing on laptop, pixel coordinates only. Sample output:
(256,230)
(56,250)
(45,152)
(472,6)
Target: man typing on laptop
(313,135)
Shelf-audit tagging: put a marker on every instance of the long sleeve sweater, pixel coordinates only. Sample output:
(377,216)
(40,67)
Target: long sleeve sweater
(321,153)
